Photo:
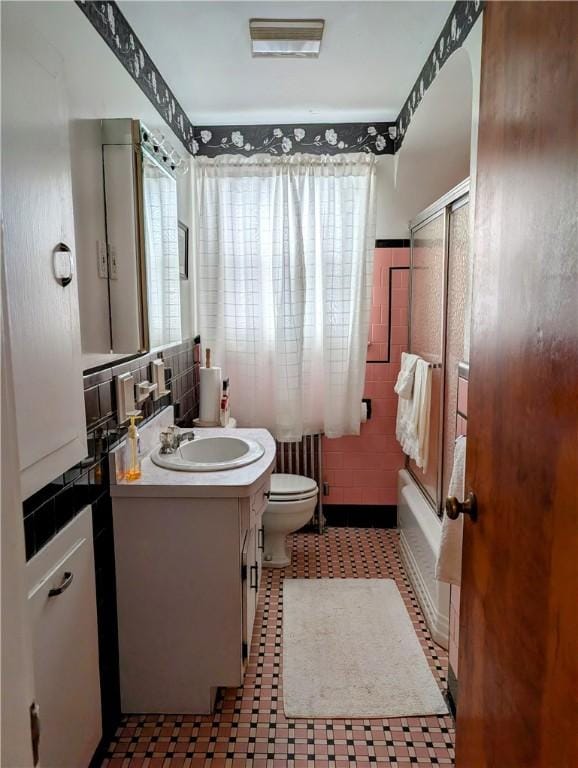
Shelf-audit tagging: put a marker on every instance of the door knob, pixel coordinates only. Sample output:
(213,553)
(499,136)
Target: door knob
(455,508)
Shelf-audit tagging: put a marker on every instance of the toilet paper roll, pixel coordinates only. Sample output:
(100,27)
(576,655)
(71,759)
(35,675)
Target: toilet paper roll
(210,395)
(363,412)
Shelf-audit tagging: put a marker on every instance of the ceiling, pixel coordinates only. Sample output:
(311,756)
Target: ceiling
(371,55)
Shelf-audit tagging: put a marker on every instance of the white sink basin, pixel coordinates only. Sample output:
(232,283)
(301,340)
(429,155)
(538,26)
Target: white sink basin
(210,454)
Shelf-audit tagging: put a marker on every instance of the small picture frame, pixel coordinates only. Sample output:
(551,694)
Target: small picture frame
(183,251)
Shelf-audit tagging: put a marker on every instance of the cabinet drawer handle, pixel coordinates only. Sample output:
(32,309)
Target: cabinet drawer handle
(35,732)
(64,584)
(253,570)
(261,538)
(267,495)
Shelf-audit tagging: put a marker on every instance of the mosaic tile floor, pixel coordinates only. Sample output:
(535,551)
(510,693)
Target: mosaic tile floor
(249,728)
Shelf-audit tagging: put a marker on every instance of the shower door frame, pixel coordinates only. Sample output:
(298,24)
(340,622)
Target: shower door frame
(443,206)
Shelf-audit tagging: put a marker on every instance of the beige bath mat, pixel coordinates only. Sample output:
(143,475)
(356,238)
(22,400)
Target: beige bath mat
(350,650)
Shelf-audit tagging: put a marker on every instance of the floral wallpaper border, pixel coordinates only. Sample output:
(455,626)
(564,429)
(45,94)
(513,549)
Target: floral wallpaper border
(459,23)
(317,139)
(111,24)
(378,137)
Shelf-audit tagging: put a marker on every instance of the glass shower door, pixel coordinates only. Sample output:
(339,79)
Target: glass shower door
(438,313)
(457,315)
(426,332)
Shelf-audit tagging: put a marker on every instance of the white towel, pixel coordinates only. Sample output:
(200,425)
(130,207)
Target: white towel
(449,562)
(404,384)
(413,417)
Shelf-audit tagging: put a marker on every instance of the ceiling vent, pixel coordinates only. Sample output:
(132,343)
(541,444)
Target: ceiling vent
(286,38)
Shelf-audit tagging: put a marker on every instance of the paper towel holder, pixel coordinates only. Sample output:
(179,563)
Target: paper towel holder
(367,401)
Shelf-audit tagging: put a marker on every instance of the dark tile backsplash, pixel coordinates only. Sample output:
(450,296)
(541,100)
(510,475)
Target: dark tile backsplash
(360,516)
(48,510)
(55,505)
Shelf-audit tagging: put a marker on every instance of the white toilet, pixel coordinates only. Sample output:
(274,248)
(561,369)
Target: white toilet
(291,505)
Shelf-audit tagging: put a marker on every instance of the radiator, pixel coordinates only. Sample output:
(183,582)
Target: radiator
(305,458)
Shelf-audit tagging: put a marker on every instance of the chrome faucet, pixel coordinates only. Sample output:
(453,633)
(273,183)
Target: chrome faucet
(184,437)
(171,439)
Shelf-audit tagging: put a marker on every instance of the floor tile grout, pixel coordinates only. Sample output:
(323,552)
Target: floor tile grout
(249,728)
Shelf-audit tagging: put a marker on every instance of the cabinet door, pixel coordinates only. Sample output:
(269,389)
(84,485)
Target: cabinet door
(65,645)
(43,315)
(122,229)
(259,545)
(250,586)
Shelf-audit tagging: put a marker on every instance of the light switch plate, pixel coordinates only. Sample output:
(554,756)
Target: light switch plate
(125,400)
(112,262)
(158,369)
(102,259)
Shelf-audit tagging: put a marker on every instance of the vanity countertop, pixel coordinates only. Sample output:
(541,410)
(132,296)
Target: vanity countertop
(167,483)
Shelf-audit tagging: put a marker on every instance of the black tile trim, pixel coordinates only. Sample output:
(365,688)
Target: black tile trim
(360,515)
(393,243)
(390,293)
(458,25)
(54,506)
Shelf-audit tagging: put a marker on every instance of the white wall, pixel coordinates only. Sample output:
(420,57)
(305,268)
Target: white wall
(98,87)
(391,217)
(435,155)
(185,213)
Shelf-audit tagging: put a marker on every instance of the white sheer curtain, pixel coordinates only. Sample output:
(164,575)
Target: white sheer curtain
(285,264)
(162,255)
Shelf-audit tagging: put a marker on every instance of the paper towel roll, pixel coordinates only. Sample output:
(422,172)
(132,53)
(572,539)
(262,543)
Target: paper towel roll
(210,395)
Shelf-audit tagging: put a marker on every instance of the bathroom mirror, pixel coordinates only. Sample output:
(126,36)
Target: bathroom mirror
(141,262)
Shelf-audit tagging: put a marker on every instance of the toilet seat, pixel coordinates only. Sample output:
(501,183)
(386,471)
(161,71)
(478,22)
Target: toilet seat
(294,498)
(291,488)
(292,503)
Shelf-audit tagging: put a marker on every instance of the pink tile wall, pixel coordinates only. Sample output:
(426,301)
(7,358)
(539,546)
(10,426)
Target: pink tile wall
(363,469)
(461,429)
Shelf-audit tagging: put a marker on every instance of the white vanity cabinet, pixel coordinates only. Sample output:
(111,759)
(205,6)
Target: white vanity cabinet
(62,605)
(38,229)
(188,549)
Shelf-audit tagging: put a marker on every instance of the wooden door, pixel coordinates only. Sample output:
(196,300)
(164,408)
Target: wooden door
(518,705)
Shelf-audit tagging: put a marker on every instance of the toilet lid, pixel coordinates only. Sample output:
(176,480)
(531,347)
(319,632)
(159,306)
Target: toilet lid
(289,486)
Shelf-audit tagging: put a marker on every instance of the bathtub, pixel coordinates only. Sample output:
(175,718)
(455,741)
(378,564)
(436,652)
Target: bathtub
(419,542)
